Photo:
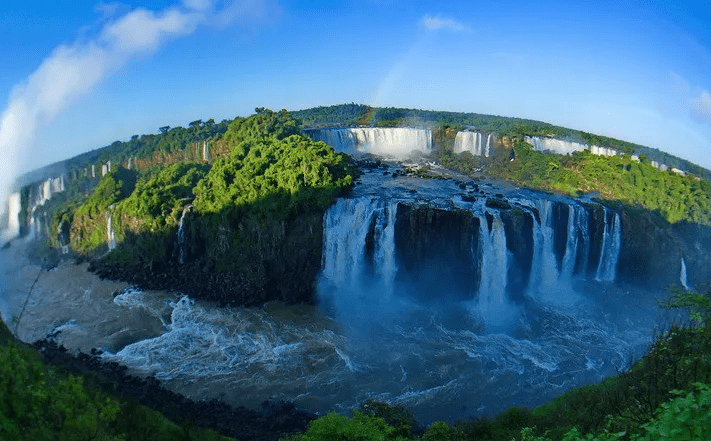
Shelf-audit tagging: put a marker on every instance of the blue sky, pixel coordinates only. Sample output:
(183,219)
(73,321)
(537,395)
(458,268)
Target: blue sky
(79,75)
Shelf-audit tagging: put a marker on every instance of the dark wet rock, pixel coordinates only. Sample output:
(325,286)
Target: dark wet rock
(502,204)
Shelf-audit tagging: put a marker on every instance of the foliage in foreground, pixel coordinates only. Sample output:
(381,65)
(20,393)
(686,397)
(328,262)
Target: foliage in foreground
(37,403)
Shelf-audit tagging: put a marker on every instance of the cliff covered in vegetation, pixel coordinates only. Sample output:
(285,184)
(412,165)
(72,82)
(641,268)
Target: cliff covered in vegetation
(242,230)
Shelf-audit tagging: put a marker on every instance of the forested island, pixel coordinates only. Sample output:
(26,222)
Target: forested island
(233,212)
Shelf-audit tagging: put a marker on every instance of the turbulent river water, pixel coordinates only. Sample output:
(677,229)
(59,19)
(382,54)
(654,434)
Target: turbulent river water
(374,334)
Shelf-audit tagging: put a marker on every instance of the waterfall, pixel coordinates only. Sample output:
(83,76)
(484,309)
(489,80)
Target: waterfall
(562,147)
(128,167)
(492,302)
(110,237)
(14,206)
(610,252)
(385,250)
(472,142)
(544,268)
(683,276)
(399,142)
(466,141)
(205,151)
(550,276)
(93,171)
(180,237)
(577,223)
(346,263)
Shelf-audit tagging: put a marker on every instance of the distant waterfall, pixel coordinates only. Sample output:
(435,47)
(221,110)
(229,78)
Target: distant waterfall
(612,239)
(14,206)
(682,275)
(543,144)
(205,151)
(397,142)
(110,236)
(180,236)
(472,142)
(38,196)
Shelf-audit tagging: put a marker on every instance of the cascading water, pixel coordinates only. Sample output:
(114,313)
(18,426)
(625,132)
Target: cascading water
(346,260)
(611,241)
(205,151)
(181,235)
(397,142)
(110,235)
(683,278)
(472,142)
(563,147)
(492,302)
(14,206)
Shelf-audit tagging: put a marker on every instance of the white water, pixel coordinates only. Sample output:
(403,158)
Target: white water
(396,143)
(683,278)
(472,142)
(205,151)
(110,235)
(612,239)
(180,235)
(560,146)
(12,229)
(495,309)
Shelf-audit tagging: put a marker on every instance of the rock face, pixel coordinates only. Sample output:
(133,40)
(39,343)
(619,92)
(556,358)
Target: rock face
(279,261)
(652,250)
(434,248)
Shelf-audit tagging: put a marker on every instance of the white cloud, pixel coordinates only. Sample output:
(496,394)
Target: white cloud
(436,23)
(73,70)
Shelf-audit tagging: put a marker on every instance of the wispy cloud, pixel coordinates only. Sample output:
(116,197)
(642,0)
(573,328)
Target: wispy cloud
(694,102)
(437,23)
(701,107)
(73,70)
